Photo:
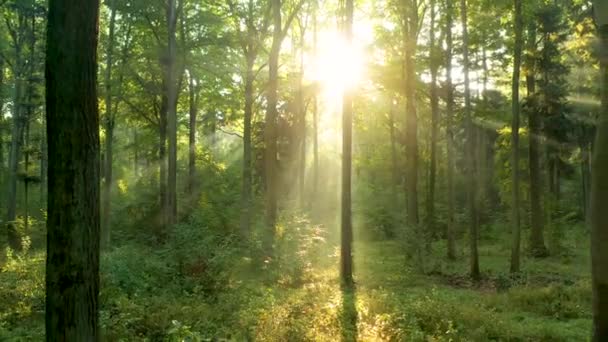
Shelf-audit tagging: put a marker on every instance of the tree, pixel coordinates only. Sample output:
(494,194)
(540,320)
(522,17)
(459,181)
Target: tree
(251,41)
(515,107)
(449,118)
(470,148)
(599,189)
(18,35)
(346,259)
(109,128)
(270,130)
(434,66)
(537,242)
(411,134)
(172,94)
(72,265)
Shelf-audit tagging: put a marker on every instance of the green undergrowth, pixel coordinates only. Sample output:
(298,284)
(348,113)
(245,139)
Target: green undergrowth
(200,287)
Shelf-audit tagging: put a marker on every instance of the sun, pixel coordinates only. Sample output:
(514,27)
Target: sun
(337,66)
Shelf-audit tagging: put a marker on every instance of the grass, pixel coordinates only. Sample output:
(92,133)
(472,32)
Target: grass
(299,298)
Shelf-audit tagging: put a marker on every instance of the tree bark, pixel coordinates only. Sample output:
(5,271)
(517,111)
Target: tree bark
(270,135)
(449,117)
(171,209)
(193,103)
(537,241)
(470,149)
(434,126)
(515,107)
(315,116)
(109,128)
(347,136)
(599,190)
(162,159)
(16,144)
(72,265)
(411,119)
(302,119)
(247,151)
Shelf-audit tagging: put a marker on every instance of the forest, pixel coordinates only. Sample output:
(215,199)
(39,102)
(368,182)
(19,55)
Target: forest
(304,170)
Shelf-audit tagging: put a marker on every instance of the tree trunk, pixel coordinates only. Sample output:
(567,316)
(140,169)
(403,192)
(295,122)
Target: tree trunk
(302,119)
(247,151)
(515,220)
(193,102)
(434,126)
(449,117)
(347,136)
(13,163)
(471,192)
(537,241)
(394,160)
(109,128)
(411,119)
(270,135)
(315,118)
(171,209)
(162,159)
(599,190)
(72,265)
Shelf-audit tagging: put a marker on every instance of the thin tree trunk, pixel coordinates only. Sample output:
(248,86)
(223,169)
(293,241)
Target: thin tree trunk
(537,241)
(171,209)
(192,134)
(72,265)
(270,134)
(471,193)
(162,159)
(302,118)
(411,119)
(515,219)
(434,126)
(247,152)
(315,117)
(13,164)
(394,161)
(109,128)
(27,162)
(346,269)
(449,114)
(599,190)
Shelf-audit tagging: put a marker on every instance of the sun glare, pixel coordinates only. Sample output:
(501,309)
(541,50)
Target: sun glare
(337,66)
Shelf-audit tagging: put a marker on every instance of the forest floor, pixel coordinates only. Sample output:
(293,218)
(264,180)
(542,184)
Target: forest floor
(298,297)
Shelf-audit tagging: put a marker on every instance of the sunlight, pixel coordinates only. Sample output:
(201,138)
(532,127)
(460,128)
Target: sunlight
(337,66)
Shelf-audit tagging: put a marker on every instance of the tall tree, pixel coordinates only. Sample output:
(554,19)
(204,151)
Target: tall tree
(270,130)
(449,117)
(18,34)
(434,122)
(347,141)
(599,189)
(172,93)
(537,241)
(315,112)
(470,148)
(411,119)
(109,128)
(515,108)
(73,225)
(250,40)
